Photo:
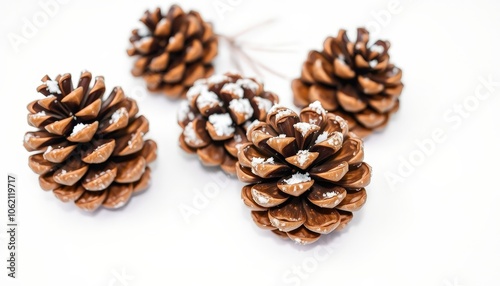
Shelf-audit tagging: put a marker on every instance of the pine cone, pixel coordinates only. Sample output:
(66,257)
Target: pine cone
(352,79)
(90,148)
(306,173)
(174,50)
(215,116)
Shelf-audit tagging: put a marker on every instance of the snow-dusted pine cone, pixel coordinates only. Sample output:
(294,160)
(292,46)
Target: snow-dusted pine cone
(216,114)
(306,173)
(174,50)
(352,79)
(90,148)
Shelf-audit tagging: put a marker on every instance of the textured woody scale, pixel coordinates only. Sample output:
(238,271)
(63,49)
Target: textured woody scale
(216,143)
(174,50)
(352,79)
(89,149)
(305,172)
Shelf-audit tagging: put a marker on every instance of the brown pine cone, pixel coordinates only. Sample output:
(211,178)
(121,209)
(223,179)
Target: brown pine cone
(174,50)
(306,173)
(216,114)
(90,148)
(352,79)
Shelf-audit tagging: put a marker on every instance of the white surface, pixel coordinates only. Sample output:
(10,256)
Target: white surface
(438,228)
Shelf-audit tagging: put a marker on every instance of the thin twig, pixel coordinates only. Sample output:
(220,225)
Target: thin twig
(249,62)
(235,61)
(245,43)
(270,50)
(236,47)
(224,37)
(233,51)
(263,66)
(278,74)
(249,29)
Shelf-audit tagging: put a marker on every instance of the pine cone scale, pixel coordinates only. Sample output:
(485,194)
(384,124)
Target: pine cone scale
(320,220)
(302,235)
(90,201)
(356,178)
(98,179)
(267,194)
(296,189)
(261,219)
(47,182)
(287,216)
(211,155)
(70,173)
(118,196)
(38,165)
(142,184)
(330,171)
(349,100)
(326,195)
(59,155)
(353,201)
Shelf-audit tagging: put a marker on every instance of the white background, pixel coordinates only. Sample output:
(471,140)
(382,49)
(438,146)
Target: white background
(437,226)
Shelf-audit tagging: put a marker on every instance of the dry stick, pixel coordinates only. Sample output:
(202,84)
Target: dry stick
(233,58)
(266,45)
(249,61)
(235,62)
(249,29)
(254,64)
(259,47)
(271,50)
(237,48)
(229,39)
